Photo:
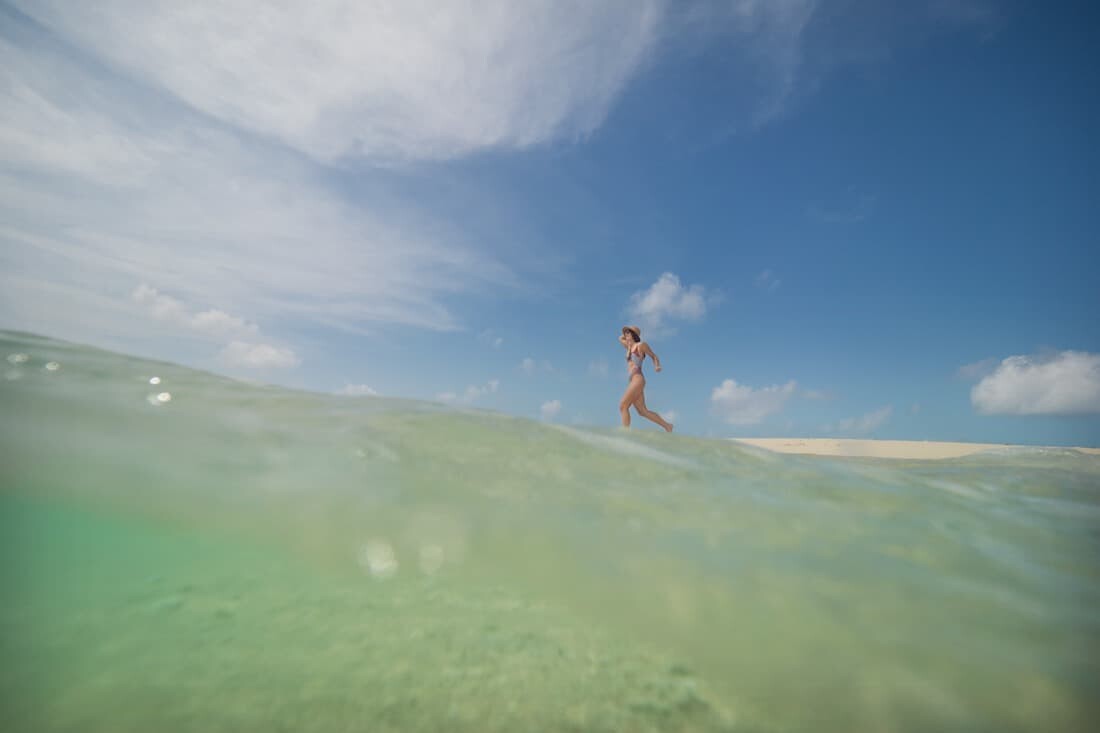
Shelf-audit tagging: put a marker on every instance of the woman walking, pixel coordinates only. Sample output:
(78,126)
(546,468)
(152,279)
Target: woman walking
(636,352)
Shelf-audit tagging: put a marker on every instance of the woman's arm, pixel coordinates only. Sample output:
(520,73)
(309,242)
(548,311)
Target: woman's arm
(653,356)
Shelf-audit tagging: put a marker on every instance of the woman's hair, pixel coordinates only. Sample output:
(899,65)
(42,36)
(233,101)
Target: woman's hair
(631,331)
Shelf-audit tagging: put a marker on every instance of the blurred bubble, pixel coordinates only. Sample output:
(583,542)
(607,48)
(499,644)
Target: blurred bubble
(52,366)
(378,558)
(159,399)
(154,380)
(17,358)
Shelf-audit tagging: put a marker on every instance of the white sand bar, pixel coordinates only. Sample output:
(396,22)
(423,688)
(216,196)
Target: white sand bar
(920,449)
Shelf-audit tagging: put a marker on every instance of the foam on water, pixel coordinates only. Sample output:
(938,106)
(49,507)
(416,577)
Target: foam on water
(245,557)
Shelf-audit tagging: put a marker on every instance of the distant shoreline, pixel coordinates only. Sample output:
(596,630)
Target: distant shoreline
(918,449)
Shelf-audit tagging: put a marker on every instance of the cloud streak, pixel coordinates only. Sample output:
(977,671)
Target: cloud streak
(105,186)
(864,424)
(386,82)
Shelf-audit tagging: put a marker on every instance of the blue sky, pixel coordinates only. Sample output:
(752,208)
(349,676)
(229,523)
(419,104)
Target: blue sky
(845,218)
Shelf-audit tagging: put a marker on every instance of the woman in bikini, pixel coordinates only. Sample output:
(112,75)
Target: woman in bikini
(636,352)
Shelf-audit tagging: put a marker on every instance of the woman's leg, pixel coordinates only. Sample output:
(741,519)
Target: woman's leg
(637,384)
(639,405)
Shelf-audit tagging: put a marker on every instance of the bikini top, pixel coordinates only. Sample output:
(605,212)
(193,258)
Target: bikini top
(634,357)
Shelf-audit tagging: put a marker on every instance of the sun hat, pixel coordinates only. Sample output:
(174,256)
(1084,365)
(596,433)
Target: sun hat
(637,331)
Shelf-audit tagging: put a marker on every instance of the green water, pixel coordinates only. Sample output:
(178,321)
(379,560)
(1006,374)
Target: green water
(240,557)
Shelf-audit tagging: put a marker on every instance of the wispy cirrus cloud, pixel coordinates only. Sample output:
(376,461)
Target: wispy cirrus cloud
(598,367)
(204,149)
(387,82)
(766,281)
(863,424)
(977,369)
(850,207)
(105,186)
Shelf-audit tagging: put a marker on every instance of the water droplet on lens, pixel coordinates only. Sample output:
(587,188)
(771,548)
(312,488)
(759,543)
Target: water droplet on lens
(378,558)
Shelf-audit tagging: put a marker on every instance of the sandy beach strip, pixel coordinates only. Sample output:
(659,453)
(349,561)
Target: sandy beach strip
(916,449)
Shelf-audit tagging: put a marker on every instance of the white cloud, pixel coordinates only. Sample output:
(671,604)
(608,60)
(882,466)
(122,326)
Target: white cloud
(598,368)
(851,207)
(867,423)
(258,356)
(213,322)
(767,281)
(472,393)
(382,81)
(667,300)
(530,366)
(778,52)
(103,190)
(488,336)
(739,404)
(357,390)
(1060,384)
(816,394)
(159,142)
(977,369)
(550,409)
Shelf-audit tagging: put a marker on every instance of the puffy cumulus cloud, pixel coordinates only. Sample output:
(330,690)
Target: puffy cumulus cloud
(866,423)
(211,322)
(258,356)
(1065,383)
(530,366)
(217,325)
(550,409)
(378,80)
(739,404)
(357,390)
(471,395)
(666,301)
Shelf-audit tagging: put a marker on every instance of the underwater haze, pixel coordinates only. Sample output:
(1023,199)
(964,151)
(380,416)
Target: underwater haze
(185,552)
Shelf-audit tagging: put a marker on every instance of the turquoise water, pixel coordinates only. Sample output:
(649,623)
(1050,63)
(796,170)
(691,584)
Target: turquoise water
(237,557)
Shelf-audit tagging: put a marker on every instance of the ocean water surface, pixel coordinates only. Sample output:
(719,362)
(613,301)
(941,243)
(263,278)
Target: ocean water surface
(185,552)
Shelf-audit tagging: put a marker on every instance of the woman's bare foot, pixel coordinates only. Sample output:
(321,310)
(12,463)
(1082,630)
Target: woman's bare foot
(669,428)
